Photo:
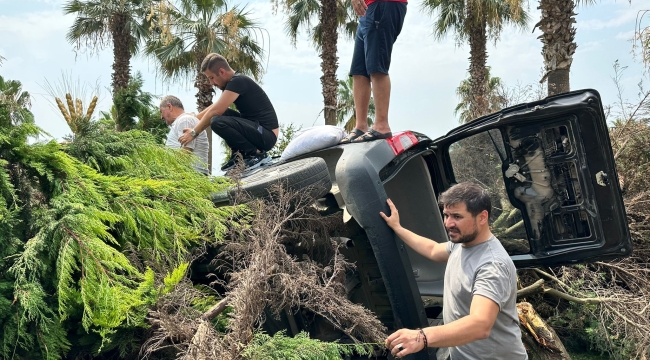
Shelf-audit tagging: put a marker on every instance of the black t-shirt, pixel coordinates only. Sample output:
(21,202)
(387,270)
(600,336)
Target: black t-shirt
(252,102)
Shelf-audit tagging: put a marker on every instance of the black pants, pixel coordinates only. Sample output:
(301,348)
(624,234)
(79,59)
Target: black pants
(242,135)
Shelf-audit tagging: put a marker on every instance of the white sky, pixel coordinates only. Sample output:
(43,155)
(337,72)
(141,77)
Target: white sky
(424,72)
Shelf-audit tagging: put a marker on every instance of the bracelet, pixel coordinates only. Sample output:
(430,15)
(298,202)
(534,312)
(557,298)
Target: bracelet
(424,337)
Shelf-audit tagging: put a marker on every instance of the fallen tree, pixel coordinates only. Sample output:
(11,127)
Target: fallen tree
(89,242)
(263,275)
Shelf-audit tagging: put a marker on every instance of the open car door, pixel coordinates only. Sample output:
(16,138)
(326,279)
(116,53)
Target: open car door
(551,174)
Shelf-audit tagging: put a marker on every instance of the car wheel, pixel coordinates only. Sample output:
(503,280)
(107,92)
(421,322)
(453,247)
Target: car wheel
(309,173)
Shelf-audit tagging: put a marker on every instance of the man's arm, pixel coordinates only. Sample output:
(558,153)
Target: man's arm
(225,100)
(475,326)
(423,246)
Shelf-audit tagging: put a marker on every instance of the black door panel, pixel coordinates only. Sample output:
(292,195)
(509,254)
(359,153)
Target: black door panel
(549,168)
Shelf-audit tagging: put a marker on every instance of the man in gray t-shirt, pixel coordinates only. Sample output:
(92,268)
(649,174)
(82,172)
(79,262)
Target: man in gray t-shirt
(480,293)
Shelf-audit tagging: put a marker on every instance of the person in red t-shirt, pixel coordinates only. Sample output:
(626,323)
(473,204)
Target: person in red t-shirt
(380,23)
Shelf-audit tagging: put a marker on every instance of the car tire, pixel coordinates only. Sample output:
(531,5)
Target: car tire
(309,173)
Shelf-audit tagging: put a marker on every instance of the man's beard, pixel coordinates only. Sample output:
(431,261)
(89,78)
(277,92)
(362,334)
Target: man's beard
(463,238)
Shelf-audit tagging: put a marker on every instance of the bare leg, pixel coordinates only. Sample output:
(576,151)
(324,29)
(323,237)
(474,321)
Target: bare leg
(361,93)
(381,94)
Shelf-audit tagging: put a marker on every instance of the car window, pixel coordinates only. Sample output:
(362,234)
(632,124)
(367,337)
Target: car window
(479,159)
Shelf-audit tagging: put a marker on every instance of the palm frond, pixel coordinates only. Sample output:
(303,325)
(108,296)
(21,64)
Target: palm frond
(199,27)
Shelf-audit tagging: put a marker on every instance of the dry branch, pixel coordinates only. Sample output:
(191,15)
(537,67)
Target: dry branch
(261,277)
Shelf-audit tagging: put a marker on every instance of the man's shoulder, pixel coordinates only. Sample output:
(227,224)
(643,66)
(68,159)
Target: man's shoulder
(184,120)
(495,253)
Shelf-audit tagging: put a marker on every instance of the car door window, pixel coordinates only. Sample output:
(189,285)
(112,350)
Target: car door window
(479,159)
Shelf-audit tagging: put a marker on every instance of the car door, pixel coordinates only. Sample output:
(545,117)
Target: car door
(550,170)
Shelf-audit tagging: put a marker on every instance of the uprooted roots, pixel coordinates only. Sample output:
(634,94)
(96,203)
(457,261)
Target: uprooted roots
(263,275)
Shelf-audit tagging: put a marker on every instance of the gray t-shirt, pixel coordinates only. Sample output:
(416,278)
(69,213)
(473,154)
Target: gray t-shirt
(487,270)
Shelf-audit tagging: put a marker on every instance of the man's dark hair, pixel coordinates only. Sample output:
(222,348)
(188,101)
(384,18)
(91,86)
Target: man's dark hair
(214,62)
(473,196)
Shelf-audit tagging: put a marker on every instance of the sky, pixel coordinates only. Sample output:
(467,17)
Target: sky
(425,71)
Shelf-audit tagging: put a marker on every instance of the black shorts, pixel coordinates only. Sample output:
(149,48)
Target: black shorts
(376,34)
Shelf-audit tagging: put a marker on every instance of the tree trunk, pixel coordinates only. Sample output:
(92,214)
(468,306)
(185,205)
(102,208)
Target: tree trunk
(558,82)
(558,41)
(540,340)
(329,60)
(477,62)
(204,95)
(121,51)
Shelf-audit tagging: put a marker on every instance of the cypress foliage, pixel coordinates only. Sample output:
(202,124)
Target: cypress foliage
(91,234)
(300,347)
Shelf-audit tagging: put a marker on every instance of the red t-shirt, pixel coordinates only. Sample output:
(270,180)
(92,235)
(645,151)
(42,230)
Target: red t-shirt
(368,2)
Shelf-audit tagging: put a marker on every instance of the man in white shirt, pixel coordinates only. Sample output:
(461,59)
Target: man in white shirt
(172,111)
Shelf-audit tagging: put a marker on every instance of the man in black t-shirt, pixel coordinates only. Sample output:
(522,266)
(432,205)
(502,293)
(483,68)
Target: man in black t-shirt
(252,130)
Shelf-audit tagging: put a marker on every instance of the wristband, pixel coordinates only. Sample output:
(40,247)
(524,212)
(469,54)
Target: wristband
(424,337)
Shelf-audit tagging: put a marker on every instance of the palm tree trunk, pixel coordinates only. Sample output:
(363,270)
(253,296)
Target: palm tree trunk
(558,39)
(121,51)
(204,95)
(477,62)
(329,60)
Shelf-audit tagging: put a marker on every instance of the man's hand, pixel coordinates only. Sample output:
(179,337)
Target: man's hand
(393,219)
(403,342)
(359,7)
(187,137)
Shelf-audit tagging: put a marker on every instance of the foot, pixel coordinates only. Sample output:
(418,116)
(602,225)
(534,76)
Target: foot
(355,133)
(371,135)
(256,160)
(232,162)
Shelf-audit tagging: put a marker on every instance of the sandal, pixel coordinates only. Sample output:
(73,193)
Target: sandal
(371,135)
(355,133)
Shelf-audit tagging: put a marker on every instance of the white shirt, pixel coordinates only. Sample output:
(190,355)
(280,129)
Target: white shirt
(199,145)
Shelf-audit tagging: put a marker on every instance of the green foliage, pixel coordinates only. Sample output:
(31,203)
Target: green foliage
(306,13)
(14,103)
(194,28)
(92,25)
(91,234)
(131,104)
(582,331)
(151,122)
(175,277)
(124,24)
(461,17)
(495,97)
(300,347)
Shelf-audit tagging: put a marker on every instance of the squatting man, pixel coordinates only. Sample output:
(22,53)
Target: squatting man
(249,132)
(480,285)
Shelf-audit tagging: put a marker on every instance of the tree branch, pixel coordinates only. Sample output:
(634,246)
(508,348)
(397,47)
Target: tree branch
(217,309)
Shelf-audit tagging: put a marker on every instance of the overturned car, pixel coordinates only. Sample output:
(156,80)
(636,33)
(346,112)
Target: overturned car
(548,166)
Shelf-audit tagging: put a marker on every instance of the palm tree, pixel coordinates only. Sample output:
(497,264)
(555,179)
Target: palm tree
(123,23)
(558,39)
(476,21)
(322,20)
(495,99)
(345,106)
(14,104)
(187,33)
